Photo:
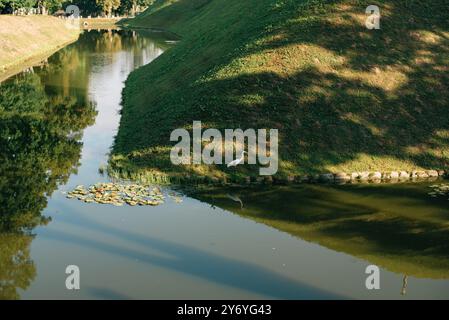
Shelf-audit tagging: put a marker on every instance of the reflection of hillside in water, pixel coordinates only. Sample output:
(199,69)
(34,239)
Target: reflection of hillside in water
(397,227)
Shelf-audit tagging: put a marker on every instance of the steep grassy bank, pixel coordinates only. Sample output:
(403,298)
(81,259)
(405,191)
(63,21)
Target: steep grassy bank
(22,39)
(343,97)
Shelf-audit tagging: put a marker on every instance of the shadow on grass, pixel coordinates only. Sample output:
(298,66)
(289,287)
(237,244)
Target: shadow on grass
(343,97)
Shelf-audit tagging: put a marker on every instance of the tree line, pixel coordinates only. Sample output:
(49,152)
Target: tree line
(87,7)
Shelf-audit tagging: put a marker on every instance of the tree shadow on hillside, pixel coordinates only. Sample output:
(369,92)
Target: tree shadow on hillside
(355,92)
(348,104)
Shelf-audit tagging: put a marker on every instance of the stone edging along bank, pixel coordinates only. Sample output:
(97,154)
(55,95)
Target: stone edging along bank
(356,177)
(376,176)
(329,178)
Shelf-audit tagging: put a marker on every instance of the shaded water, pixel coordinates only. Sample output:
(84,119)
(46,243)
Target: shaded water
(56,127)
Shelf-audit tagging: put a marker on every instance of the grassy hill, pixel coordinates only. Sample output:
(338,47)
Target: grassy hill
(25,38)
(344,98)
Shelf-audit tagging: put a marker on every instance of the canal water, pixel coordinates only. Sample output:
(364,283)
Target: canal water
(58,121)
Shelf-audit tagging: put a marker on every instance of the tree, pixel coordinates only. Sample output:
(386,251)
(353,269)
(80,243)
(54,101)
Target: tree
(9,6)
(108,6)
(87,7)
(45,6)
(23,4)
(49,5)
(133,6)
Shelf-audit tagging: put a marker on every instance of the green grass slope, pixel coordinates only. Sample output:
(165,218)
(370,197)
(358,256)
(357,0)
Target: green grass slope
(344,98)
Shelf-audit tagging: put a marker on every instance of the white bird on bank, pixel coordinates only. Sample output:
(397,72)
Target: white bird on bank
(236,162)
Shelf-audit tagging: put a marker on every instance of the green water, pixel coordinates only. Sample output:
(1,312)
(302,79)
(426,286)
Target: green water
(58,122)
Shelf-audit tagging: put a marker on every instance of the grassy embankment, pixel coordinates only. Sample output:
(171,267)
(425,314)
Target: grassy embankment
(26,40)
(343,97)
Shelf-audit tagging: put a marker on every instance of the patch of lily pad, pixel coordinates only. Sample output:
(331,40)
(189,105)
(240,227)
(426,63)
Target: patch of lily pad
(439,190)
(121,194)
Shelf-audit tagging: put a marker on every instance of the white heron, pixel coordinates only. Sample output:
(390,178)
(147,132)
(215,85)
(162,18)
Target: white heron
(236,199)
(236,162)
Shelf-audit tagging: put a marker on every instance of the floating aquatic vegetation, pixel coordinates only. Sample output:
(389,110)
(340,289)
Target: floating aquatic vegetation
(119,194)
(439,190)
(175,197)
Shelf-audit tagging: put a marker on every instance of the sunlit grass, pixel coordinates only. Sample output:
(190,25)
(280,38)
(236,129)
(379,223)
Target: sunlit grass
(344,98)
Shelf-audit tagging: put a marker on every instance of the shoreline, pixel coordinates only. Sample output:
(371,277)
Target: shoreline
(151,29)
(18,66)
(365,177)
(334,113)
(99,23)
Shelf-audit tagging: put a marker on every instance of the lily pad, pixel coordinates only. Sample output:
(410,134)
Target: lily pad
(439,190)
(118,194)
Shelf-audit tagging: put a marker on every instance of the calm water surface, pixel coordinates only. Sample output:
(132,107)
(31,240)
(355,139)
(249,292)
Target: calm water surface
(57,125)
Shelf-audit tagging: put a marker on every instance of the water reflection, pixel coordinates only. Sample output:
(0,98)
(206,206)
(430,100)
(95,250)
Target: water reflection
(17,270)
(182,249)
(43,112)
(39,135)
(399,228)
(404,285)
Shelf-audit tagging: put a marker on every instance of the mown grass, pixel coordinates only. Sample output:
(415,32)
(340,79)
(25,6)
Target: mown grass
(343,97)
(25,38)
